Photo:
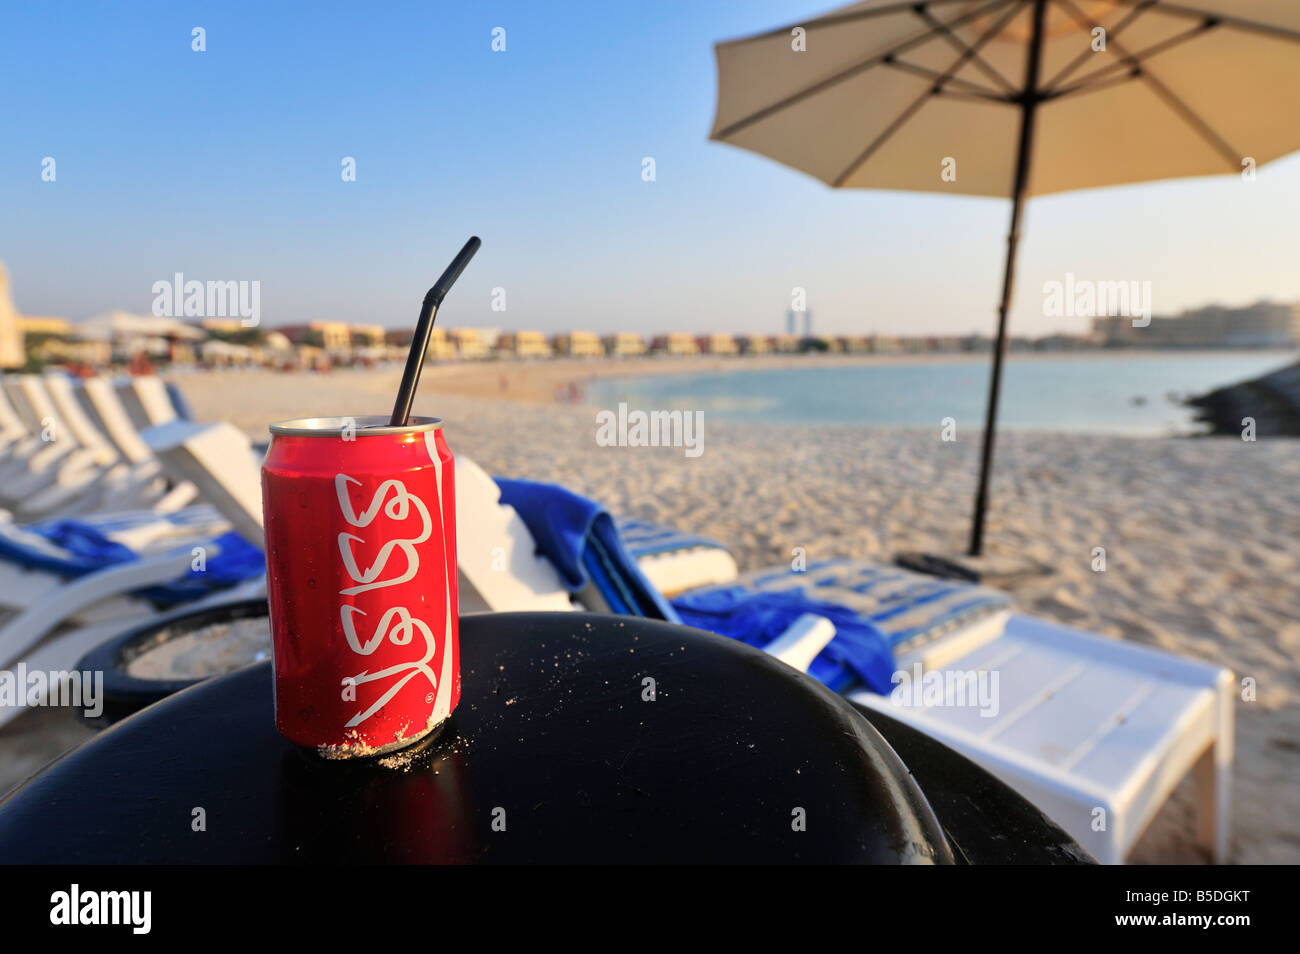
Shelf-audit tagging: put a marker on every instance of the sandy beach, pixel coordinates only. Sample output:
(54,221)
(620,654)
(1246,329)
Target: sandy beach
(1202,536)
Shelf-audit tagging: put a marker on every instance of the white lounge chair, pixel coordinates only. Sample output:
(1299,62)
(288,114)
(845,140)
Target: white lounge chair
(497,565)
(28,449)
(673,561)
(103,408)
(90,472)
(60,651)
(146,400)
(15,438)
(218,460)
(1096,732)
(64,475)
(46,584)
(129,483)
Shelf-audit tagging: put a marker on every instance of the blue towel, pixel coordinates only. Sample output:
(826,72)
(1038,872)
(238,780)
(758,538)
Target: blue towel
(859,653)
(231,560)
(580,539)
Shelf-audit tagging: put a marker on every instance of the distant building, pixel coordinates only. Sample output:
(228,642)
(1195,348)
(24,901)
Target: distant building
(853,344)
(676,344)
(785,344)
(440,349)
(1262,325)
(754,344)
(720,344)
(469,343)
(578,344)
(31,325)
(624,344)
(946,344)
(367,335)
(522,344)
(402,337)
(1063,342)
(333,337)
(56,341)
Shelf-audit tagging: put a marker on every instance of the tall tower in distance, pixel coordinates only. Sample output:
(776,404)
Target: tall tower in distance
(807,324)
(790,319)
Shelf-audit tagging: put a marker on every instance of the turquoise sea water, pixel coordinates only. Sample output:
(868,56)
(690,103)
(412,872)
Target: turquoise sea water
(1122,393)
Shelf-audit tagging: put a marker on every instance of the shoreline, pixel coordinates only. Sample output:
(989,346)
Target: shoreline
(540,381)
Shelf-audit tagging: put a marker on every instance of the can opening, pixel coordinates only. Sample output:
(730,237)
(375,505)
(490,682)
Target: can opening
(368,425)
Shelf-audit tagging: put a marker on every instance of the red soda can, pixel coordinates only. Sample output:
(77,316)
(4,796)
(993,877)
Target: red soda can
(361,576)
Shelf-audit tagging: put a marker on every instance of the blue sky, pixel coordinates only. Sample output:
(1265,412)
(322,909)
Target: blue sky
(226,165)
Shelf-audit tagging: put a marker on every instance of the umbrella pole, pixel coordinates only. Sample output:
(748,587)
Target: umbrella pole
(1029,109)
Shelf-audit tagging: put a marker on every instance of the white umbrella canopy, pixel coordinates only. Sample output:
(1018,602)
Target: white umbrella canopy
(121,324)
(885,91)
(1017,98)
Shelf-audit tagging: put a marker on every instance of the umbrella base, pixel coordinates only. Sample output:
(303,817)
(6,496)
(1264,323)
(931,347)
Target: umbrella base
(991,569)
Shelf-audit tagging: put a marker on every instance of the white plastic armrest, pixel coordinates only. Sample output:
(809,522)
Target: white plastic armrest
(799,645)
(26,629)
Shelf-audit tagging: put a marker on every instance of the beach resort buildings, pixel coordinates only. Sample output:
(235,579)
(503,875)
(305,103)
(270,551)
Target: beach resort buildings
(1261,325)
(718,344)
(56,341)
(470,343)
(367,336)
(334,337)
(676,344)
(522,344)
(119,338)
(440,347)
(320,343)
(625,344)
(578,344)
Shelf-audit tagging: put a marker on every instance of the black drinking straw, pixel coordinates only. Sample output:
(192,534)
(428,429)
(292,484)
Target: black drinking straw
(424,327)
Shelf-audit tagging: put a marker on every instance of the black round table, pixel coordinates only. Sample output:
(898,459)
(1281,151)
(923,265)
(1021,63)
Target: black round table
(561,750)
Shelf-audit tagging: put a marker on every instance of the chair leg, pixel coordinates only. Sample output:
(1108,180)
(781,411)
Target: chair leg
(1212,777)
(1212,781)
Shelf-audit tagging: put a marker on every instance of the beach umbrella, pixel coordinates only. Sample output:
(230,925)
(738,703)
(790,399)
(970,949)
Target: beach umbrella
(1017,98)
